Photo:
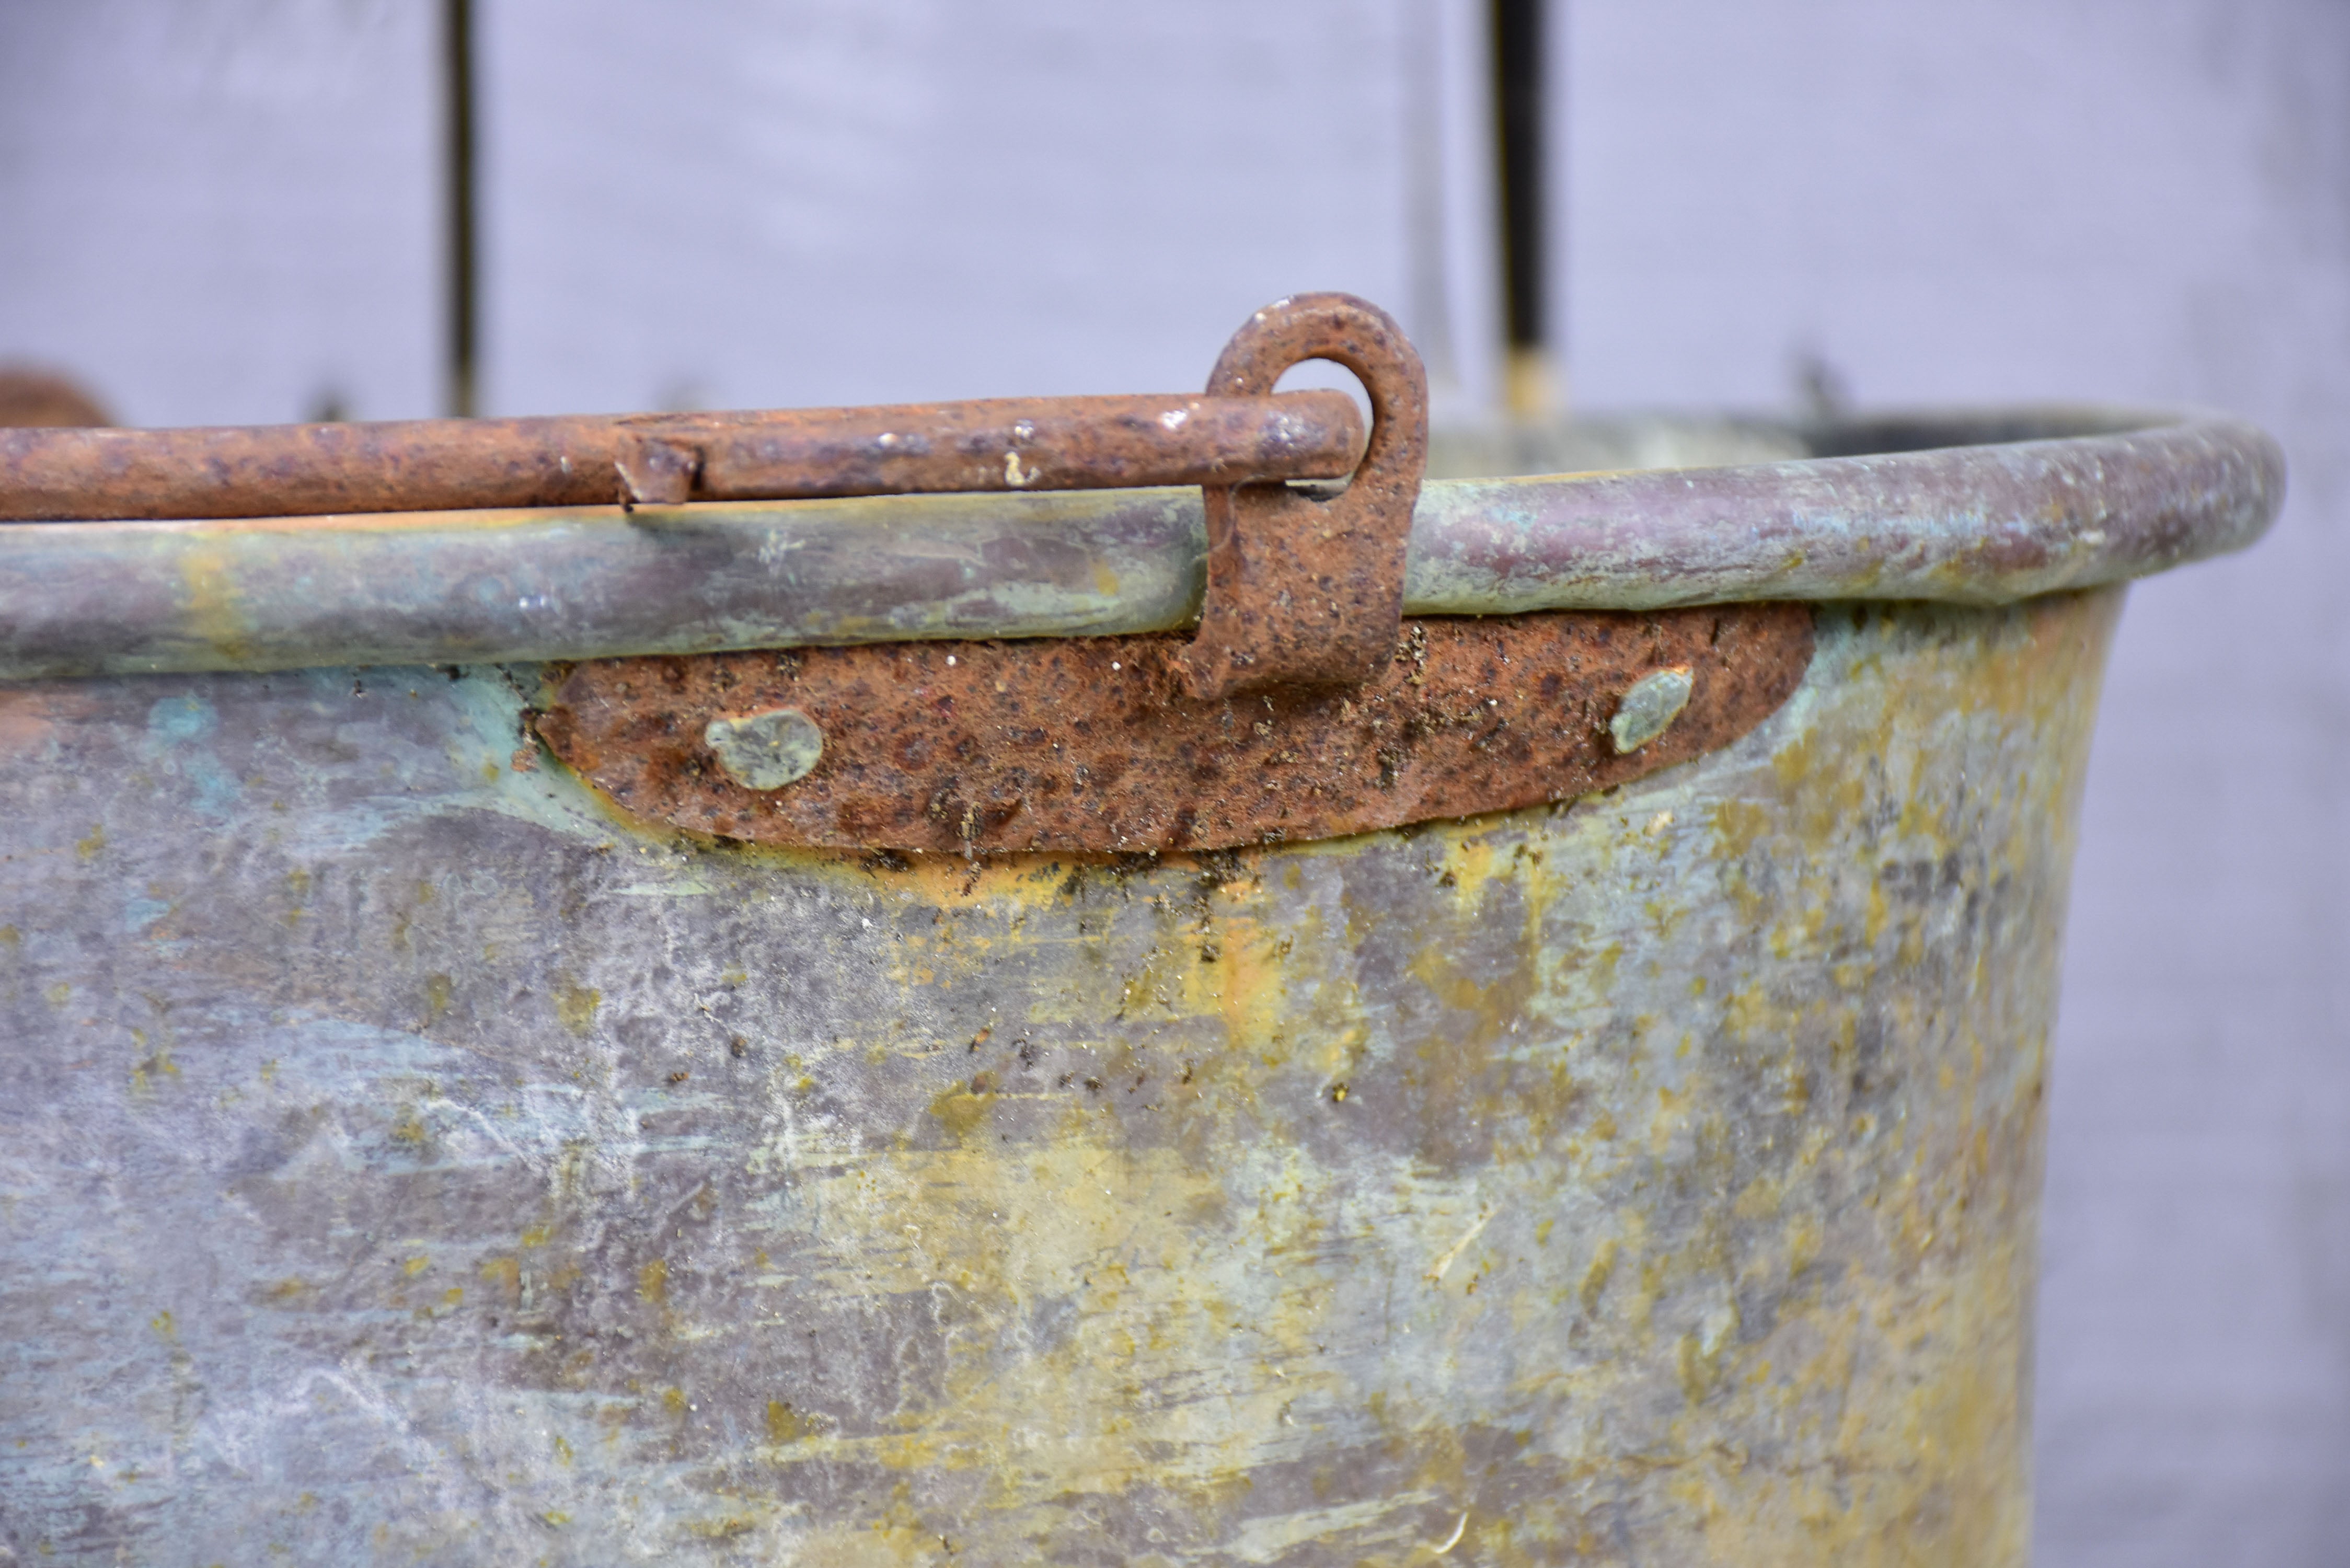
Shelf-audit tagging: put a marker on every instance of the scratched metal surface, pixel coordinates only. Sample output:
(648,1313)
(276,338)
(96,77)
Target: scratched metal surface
(402,1160)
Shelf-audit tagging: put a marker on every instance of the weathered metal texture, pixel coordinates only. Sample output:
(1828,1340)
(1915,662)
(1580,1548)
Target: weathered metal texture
(406,1162)
(2104,496)
(1306,589)
(1094,744)
(1131,743)
(2052,500)
(1005,443)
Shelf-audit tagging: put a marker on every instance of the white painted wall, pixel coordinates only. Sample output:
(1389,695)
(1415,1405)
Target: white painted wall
(223,210)
(837,201)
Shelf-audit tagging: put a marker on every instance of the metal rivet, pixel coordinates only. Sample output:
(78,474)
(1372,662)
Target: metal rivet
(1650,707)
(766,751)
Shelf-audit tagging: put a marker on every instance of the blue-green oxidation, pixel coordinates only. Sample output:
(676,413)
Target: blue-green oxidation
(766,751)
(1649,709)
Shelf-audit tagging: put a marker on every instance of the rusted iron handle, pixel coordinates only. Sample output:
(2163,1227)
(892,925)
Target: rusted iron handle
(426,465)
(1306,590)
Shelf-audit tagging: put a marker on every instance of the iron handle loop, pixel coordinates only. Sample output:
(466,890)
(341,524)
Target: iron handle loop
(1306,590)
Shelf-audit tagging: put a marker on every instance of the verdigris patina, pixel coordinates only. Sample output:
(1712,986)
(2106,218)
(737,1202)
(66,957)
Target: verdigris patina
(406,1161)
(409,1155)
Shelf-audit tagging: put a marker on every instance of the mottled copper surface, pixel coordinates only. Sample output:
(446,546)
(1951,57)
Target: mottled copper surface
(1003,443)
(408,1164)
(1092,744)
(1307,589)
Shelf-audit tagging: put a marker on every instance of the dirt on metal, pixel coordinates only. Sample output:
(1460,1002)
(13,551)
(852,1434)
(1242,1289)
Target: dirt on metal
(1093,744)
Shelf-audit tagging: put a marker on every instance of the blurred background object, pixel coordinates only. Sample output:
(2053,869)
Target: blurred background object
(242,210)
(31,397)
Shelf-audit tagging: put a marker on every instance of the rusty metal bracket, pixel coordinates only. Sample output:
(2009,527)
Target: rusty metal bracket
(1097,744)
(1304,707)
(1307,590)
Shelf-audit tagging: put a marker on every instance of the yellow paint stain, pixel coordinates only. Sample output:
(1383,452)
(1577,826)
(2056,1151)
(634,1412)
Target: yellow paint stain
(576,1005)
(89,849)
(1671,1115)
(653,1281)
(1751,1013)
(157,1065)
(1596,1276)
(1738,827)
(210,607)
(1251,983)
(1760,1200)
(965,1108)
(1472,865)
(785,1425)
(437,991)
(1806,1236)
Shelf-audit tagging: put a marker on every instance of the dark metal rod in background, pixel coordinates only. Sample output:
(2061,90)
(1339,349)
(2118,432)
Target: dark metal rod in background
(463,260)
(1521,119)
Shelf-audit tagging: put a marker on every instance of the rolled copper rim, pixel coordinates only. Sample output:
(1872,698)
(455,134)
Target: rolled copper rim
(2004,505)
